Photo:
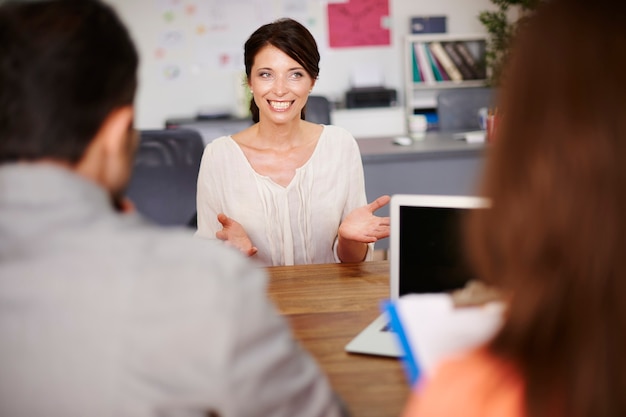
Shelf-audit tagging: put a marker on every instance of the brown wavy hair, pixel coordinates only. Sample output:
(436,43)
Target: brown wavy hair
(555,238)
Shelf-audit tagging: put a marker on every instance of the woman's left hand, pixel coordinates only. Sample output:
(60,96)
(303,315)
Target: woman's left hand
(361,225)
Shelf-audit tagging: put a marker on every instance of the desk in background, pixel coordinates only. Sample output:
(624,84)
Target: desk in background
(366,122)
(437,164)
(327,305)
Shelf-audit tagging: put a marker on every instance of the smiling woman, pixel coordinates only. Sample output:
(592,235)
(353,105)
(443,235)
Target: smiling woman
(287,191)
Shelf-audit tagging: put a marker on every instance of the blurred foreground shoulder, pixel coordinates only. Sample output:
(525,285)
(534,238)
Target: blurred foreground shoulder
(229,337)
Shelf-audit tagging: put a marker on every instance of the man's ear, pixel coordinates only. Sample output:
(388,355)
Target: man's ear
(113,134)
(110,151)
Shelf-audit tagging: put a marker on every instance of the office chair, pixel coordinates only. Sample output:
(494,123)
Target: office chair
(165,173)
(457,108)
(317,110)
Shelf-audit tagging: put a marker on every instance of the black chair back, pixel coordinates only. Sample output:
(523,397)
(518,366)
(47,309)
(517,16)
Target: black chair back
(165,174)
(317,110)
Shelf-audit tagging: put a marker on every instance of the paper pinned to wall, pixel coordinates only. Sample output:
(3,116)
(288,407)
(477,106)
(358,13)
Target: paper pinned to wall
(358,23)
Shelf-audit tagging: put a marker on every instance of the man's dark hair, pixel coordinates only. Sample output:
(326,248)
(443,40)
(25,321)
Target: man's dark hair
(64,66)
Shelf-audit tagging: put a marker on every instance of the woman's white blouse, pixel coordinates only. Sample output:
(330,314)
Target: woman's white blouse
(289,225)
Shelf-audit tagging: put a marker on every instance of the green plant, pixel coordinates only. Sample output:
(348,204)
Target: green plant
(501,30)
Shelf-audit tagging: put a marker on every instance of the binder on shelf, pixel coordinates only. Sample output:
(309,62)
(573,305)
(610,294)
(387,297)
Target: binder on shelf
(417,77)
(423,62)
(477,68)
(440,74)
(444,74)
(466,71)
(450,68)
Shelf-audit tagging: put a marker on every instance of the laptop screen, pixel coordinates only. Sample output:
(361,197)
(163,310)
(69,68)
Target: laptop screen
(431,255)
(426,245)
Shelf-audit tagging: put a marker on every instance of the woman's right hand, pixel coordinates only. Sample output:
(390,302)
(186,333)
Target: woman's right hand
(234,235)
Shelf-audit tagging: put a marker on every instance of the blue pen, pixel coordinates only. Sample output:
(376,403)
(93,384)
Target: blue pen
(410,362)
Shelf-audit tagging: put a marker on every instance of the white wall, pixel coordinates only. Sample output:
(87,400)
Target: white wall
(200,87)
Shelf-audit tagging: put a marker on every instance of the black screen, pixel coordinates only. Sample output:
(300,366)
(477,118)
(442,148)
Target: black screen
(431,254)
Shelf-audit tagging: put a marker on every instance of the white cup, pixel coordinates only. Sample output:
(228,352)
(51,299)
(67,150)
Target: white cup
(418,125)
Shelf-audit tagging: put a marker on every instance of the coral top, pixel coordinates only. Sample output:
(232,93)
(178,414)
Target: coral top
(474,385)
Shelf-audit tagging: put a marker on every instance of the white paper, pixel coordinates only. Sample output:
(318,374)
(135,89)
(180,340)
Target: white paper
(437,330)
(475,137)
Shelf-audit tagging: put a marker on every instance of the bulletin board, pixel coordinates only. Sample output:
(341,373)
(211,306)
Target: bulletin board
(213,31)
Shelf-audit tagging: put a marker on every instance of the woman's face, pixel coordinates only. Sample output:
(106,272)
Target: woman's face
(279,84)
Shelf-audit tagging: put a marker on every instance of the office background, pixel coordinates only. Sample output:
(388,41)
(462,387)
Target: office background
(192,50)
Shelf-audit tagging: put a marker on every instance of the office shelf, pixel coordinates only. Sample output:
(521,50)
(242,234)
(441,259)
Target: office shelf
(423,84)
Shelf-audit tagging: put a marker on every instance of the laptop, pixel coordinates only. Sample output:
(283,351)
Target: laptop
(425,256)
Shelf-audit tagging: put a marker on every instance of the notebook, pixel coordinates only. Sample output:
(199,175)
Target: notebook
(447,331)
(425,256)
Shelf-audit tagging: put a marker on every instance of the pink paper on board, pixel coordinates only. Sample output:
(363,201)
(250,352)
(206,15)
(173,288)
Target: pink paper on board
(358,23)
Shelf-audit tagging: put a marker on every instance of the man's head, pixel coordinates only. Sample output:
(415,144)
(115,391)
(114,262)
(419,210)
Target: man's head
(67,83)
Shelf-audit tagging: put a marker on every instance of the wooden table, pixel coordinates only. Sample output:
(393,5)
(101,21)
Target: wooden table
(327,305)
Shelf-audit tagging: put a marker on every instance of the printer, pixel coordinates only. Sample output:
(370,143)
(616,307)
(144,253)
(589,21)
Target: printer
(359,97)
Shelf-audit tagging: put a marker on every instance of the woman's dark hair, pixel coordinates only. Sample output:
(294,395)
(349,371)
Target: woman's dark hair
(555,238)
(290,37)
(64,66)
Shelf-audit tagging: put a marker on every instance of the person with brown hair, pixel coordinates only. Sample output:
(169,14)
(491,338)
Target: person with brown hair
(555,236)
(285,190)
